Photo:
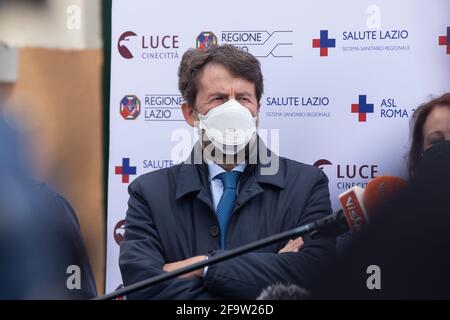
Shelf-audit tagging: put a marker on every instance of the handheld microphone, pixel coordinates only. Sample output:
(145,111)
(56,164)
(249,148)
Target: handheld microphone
(352,204)
(381,190)
(358,205)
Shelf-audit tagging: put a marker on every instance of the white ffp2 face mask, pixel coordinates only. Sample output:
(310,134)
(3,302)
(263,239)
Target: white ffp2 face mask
(229,127)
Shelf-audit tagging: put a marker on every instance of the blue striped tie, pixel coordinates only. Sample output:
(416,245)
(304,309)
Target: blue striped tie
(226,203)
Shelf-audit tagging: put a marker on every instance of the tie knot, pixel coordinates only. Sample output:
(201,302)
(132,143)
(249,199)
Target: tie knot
(229,179)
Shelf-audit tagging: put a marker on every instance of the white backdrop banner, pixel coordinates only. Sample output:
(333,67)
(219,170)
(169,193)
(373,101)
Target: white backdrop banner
(342,79)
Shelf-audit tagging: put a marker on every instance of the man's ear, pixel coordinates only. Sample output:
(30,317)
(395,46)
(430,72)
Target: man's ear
(188,113)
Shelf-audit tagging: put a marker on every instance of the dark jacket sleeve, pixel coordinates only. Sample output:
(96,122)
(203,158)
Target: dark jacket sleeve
(246,276)
(51,243)
(142,257)
(78,250)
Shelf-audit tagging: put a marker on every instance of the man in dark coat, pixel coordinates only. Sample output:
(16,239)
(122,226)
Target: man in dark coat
(42,252)
(181,215)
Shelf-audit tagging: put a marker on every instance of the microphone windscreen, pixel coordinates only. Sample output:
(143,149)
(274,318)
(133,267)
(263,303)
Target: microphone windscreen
(380,190)
(283,292)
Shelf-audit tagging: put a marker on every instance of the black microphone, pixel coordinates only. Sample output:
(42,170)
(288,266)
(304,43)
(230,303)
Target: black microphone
(331,226)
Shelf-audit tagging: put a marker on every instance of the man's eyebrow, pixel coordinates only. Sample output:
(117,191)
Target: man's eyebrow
(225,94)
(217,94)
(243,93)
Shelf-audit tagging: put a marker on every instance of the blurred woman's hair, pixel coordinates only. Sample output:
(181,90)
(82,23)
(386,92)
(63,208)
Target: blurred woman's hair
(417,122)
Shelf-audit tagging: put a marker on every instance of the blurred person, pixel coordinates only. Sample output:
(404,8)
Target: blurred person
(408,238)
(430,124)
(183,214)
(40,239)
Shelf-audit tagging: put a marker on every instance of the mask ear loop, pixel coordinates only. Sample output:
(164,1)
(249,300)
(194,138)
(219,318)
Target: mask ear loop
(423,151)
(200,121)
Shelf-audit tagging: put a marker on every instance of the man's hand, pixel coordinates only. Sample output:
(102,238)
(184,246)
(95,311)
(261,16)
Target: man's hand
(292,245)
(168,267)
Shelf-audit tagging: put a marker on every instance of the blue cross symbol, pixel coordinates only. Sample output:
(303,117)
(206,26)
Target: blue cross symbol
(363,105)
(325,42)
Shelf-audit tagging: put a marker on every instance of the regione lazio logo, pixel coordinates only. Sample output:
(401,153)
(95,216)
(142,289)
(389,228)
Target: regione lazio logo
(130,107)
(125,170)
(324,43)
(206,40)
(445,40)
(119,231)
(362,108)
(124,39)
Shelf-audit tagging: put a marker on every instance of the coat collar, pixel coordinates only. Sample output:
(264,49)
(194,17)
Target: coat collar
(194,177)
